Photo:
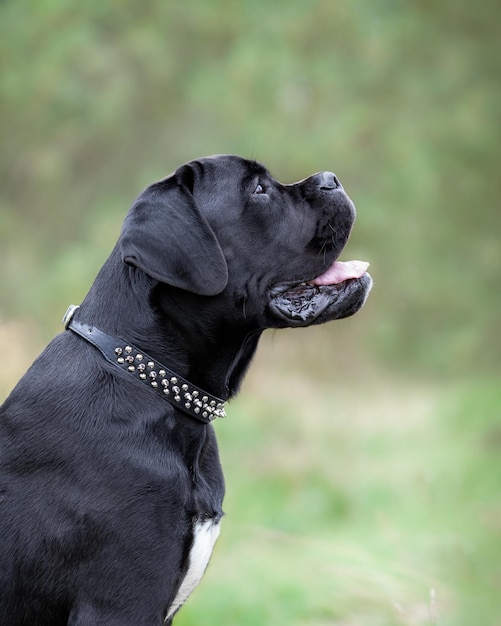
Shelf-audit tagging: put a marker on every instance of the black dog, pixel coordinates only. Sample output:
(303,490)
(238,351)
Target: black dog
(110,483)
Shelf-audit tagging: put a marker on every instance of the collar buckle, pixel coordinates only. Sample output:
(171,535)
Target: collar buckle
(67,317)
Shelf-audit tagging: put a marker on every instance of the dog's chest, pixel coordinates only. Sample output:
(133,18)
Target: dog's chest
(205,534)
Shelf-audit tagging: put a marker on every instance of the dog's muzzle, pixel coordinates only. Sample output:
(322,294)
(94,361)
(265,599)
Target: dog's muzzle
(305,304)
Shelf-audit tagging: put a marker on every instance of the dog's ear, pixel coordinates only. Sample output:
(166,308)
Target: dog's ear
(167,237)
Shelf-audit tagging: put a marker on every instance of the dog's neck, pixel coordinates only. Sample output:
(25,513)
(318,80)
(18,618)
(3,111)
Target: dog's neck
(217,351)
(216,361)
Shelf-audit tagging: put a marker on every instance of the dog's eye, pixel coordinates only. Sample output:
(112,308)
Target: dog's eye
(259,189)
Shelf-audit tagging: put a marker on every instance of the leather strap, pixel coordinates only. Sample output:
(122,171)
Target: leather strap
(182,394)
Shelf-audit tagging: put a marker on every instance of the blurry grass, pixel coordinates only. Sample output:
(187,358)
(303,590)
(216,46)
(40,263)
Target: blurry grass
(355,504)
(353,499)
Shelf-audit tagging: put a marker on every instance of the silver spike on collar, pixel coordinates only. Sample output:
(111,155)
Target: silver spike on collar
(178,391)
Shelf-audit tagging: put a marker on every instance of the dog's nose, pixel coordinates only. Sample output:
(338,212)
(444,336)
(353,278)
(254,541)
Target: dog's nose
(328,180)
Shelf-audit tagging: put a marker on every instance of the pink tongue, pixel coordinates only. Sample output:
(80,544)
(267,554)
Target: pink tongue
(340,271)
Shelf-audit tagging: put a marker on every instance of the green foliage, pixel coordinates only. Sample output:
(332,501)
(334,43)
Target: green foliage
(400,99)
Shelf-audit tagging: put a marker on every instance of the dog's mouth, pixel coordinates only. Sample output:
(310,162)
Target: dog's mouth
(338,292)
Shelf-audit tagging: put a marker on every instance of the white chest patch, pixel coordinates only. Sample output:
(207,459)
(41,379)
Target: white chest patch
(204,537)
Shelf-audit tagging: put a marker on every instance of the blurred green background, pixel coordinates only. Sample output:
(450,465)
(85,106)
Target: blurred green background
(371,496)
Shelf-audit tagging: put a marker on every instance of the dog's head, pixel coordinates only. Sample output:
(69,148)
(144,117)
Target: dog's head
(222,228)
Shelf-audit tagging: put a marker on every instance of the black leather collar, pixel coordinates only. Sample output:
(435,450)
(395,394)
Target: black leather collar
(160,379)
